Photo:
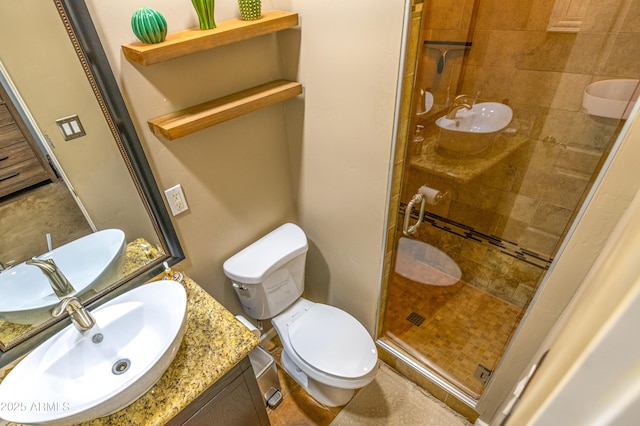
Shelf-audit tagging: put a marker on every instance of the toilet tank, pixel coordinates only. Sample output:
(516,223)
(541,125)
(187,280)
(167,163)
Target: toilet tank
(268,275)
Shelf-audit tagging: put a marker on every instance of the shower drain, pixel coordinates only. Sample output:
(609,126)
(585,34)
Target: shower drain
(415,319)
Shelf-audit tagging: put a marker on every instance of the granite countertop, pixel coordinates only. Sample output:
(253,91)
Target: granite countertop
(213,343)
(464,168)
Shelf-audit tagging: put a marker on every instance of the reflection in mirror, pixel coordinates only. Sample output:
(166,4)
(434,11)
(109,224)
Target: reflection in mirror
(94,208)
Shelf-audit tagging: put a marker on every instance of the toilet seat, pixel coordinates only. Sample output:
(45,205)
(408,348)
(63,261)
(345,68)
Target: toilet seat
(332,341)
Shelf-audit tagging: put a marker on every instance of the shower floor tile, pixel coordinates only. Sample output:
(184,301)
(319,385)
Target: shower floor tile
(463,327)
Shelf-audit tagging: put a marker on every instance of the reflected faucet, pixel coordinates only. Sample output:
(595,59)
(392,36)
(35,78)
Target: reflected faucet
(422,103)
(460,102)
(7,265)
(80,317)
(60,284)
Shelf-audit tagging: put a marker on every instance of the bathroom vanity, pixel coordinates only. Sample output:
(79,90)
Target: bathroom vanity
(21,162)
(210,380)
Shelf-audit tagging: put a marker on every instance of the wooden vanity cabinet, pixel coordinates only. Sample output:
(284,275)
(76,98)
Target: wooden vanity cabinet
(21,162)
(235,399)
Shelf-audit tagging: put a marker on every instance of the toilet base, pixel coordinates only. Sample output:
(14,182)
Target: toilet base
(330,396)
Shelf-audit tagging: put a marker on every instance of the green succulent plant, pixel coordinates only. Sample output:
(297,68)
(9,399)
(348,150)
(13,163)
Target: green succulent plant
(204,10)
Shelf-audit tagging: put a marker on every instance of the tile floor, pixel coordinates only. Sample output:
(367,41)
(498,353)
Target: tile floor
(453,328)
(297,407)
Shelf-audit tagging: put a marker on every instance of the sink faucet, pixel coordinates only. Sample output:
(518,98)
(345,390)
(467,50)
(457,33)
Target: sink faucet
(60,284)
(460,102)
(7,265)
(80,317)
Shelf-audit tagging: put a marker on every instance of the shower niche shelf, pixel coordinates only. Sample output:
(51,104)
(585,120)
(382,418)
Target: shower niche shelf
(190,120)
(194,40)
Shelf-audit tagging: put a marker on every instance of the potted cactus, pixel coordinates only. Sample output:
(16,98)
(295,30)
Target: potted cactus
(250,10)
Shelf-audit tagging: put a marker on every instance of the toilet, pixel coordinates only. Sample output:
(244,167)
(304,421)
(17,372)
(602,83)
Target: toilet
(326,350)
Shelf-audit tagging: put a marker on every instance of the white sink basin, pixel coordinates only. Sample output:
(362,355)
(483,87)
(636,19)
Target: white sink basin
(26,297)
(70,378)
(613,98)
(472,131)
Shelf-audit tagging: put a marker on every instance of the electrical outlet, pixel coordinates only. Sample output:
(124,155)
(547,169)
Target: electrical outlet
(175,197)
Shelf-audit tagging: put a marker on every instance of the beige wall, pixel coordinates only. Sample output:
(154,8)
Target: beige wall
(320,160)
(349,65)
(36,52)
(236,176)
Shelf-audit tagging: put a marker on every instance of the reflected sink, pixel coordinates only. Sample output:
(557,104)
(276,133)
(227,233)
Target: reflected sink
(472,131)
(26,297)
(75,377)
(613,98)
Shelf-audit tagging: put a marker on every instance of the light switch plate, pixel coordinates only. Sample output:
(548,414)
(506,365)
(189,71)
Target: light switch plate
(70,127)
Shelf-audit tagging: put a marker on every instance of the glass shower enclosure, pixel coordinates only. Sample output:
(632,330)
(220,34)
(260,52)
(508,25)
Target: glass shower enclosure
(514,108)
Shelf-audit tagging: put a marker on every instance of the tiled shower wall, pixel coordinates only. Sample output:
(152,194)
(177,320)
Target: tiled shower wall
(530,198)
(486,266)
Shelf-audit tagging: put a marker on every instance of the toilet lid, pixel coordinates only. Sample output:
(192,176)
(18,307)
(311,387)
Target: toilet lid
(333,341)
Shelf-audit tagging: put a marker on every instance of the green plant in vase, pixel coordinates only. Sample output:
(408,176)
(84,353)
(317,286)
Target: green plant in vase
(204,10)
(250,10)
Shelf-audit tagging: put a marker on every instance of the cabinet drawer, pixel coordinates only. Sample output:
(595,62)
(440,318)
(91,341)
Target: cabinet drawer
(5,115)
(21,175)
(10,134)
(13,154)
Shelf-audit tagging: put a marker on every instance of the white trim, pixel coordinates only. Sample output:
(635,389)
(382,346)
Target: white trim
(392,156)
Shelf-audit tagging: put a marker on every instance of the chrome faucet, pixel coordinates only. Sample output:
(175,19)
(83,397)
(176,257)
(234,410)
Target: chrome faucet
(7,265)
(80,317)
(60,284)
(460,102)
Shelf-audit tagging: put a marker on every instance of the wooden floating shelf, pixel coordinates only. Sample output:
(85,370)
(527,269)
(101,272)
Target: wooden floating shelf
(195,40)
(190,120)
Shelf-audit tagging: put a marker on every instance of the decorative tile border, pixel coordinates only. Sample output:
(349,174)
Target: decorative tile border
(504,246)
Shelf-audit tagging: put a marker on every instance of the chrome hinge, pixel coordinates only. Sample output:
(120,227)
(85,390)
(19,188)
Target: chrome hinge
(482,373)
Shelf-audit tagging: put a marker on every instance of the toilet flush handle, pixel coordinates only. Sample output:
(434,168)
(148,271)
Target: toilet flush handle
(239,286)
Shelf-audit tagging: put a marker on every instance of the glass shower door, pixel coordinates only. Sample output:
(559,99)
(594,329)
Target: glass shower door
(460,284)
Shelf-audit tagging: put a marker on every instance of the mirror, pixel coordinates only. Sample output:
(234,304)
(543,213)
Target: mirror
(53,62)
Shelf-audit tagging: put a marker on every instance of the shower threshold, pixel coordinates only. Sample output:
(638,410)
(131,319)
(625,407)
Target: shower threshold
(430,374)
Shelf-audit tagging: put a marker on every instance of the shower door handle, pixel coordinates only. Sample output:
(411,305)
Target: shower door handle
(410,230)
